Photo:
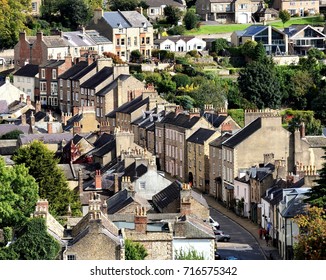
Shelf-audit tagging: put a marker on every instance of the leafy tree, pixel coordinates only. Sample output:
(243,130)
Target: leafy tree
(124,5)
(285,16)
(185,101)
(153,78)
(209,92)
(219,45)
(172,14)
(317,194)
(166,86)
(135,56)
(115,58)
(313,126)
(248,49)
(181,80)
(35,243)
(176,30)
(311,243)
(18,194)
(237,115)
(53,186)
(260,85)
(260,52)
(12,134)
(318,105)
(190,20)
(191,254)
(134,250)
(12,21)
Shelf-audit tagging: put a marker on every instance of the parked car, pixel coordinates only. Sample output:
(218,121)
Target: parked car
(221,236)
(212,222)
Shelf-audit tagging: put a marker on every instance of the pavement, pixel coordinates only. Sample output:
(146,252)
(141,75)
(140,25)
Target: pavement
(270,252)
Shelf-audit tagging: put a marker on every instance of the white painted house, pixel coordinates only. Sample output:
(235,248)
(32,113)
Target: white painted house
(180,43)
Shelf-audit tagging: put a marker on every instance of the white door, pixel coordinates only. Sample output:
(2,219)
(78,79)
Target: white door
(243,18)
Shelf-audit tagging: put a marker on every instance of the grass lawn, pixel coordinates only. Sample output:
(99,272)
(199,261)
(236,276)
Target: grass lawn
(229,28)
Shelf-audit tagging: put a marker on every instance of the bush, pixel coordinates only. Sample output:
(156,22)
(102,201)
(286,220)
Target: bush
(176,30)
(12,134)
(193,53)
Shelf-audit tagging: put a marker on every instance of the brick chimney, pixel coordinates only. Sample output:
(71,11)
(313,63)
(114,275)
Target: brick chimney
(226,127)
(80,182)
(302,130)
(185,199)
(37,106)
(39,36)
(77,128)
(32,120)
(23,119)
(98,180)
(50,127)
(98,14)
(22,36)
(28,100)
(194,112)
(42,208)
(21,98)
(140,220)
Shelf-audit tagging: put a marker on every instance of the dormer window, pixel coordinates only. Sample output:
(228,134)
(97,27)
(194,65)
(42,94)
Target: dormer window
(145,26)
(120,28)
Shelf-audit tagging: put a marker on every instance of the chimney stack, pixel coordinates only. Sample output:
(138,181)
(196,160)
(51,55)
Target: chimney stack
(140,220)
(21,98)
(116,183)
(32,120)
(98,180)
(302,130)
(23,119)
(42,208)
(50,127)
(28,100)
(37,106)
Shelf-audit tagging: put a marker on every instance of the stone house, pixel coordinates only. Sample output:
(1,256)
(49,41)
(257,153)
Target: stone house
(198,157)
(303,37)
(171,146)
(155,10)
(248,146)
(296,8)
(26,79)
(128,31)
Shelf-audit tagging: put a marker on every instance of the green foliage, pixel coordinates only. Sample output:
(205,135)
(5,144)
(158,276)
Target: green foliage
(7,253)
(139,76)
(191,254)
(124,5)
(219,45)
(181,80)
(260,52)
(317,194)
(18,194)
(311,243)
(134,250)
(176,30)
(8,234)
(153,78)
(115,58)
(172,14)
(190,20)
(12,134)
(248,49)
(260,85)
(53,186)
(185,101)
(35,243)
(12,21)
(163,55)
(237,115)
(318,105)
(135,56)
(284,15)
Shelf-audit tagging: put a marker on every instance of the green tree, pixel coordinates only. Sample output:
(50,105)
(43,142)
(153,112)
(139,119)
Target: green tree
(285,16)
(190,20)
(53,186)
(35,243)
(134,250)
(181,80)
(318,105)
(310,244)
(185,101)
(248,49)
(317,194)
(124,5)
(12,21)
(172,14)
(135,56)
(260,52)
(260,85)
(176,30)
(191,254)
(12,134)
(18,195)
(219,45)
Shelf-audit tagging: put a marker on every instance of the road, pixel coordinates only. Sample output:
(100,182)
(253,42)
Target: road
(242,244)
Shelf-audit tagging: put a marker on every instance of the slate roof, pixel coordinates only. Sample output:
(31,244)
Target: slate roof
(129,107)
(195,228)
(98,78)
(73,70)
(38,116)
(54,138)
(175,38)
(5,128)
(243,134)
(201,135)
(316,141)
(70,122)
(254,30)
(214,119)
(106,148)
(218,141)
(169,194)
(55,41)
(103,139)
(296,206)
(28,70)
(83,72)
(112,85)
(125,19)
(181,120)
(158,3)
(98,39)
(77,39)
(135,172)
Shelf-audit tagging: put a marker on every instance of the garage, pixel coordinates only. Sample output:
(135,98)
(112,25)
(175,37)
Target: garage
(243,18)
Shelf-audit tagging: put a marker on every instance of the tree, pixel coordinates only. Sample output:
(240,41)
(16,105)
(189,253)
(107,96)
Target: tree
(115,58)
(135,56)
(181,80)
(134,250)
(248,49)
(12,134)
(172,14)
(317,194)
(318,105)
(35,243)
(176,30)
(53,186)
(191,254)
(18,195)
(190,20)
(260,85)
(285,16)
(124,5)
(185,101)
(219,45)
(311,243)
(12,21)
(260,52)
